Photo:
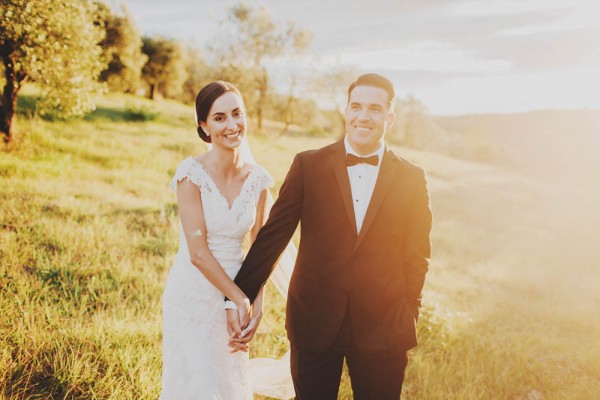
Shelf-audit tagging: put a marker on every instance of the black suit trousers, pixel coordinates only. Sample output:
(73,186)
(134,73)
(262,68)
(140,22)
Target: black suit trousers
(317,375)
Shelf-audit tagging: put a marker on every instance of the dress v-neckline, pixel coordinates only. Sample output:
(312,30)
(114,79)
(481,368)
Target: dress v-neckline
(212,181)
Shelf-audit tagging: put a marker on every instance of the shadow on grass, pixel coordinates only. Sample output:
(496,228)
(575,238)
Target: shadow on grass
(27,107)
(127,114)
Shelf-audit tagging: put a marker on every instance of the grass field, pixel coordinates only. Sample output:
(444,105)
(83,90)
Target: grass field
(88,231)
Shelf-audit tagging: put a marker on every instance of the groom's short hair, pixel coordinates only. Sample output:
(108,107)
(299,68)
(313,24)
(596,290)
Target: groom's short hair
(378,81)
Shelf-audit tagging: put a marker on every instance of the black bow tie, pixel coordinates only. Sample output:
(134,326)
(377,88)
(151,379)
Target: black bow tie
(351,160)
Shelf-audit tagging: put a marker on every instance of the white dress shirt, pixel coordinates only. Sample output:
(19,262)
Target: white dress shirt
(362,182)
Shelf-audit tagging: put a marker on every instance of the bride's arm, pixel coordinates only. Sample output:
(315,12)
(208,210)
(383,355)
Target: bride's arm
(194,229)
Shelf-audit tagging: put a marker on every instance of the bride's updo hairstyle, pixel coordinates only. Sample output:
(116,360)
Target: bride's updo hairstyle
(205,99)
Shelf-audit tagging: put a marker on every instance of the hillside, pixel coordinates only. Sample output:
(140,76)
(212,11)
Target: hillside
(555,141)
(88,230)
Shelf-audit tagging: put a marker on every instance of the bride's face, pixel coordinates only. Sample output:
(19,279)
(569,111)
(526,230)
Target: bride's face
(226,121)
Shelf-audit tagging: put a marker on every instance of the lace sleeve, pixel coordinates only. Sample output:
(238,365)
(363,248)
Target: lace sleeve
(265,180)
(188,169)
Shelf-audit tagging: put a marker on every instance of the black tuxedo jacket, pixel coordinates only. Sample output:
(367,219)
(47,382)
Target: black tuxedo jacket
(376,275)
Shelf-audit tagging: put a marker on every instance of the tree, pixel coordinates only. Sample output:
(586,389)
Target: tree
(411,115)
(165,70)
(288,107)
(254,39)
(415,128)
(296,109)
(198,74)
(54,43)
(301,41)
(122,48)
(332,86)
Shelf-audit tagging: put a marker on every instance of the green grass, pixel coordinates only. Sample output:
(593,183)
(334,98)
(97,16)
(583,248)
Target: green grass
(88,232)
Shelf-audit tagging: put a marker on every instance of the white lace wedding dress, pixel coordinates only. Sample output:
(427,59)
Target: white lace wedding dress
(197,363)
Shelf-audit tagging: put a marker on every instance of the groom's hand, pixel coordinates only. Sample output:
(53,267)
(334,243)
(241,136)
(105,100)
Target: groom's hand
(241,342)
(235,331)
(249,332)
(243,309)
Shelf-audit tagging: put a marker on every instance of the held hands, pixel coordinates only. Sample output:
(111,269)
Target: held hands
(240,334)
(238,316)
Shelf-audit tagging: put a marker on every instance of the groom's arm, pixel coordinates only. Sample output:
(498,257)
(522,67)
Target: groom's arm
(275,234)
(417,246)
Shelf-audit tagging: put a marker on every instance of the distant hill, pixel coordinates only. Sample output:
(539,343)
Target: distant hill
(544,141)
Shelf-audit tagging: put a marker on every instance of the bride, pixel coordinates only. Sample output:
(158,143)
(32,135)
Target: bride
(221,198)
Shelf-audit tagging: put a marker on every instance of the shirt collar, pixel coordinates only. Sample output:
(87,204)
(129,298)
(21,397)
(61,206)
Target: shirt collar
(350,150)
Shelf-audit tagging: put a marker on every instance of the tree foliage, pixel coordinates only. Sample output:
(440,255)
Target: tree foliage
(251,40)
(55,43)
(199,73)
(332,87)
(165,70)
(122,48)
(411,117)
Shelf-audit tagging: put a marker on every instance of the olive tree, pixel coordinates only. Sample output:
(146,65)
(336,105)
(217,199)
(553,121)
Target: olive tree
(54,43)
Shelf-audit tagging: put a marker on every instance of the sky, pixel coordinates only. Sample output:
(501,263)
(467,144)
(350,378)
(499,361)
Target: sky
(456,56)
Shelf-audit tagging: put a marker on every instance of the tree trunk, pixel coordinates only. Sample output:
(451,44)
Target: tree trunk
(152,90)
(259,114)
(286,124)
(262,97)
(287,112)
(8,106)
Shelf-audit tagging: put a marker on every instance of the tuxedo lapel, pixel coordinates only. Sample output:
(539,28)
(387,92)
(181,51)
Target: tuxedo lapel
(338,163)
(382,186)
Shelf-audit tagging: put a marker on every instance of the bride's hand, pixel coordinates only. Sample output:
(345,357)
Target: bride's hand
(236,321)
(240,342)
(233,323)
(257,312)
(234,329)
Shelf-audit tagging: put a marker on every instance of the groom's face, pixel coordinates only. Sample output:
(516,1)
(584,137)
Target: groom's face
(368,117)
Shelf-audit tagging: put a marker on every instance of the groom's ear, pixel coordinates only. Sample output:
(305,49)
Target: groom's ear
(390,119)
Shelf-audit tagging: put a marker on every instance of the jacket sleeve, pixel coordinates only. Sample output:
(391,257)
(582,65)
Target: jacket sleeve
(417,245)
(274,235)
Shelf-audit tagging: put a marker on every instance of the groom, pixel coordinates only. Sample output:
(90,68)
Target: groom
(364,251)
